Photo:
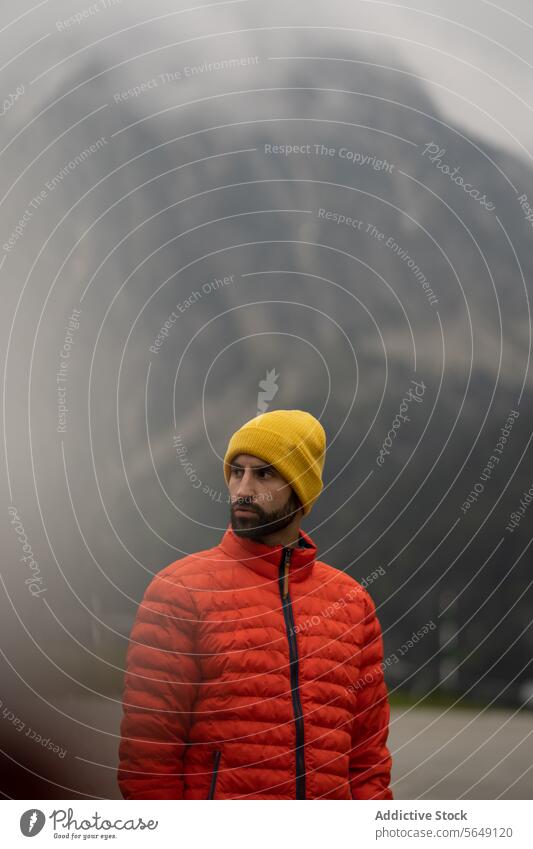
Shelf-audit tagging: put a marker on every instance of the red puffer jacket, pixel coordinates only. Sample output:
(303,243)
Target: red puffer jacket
(255,672)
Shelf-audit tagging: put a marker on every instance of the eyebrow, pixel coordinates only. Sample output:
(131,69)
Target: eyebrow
(264,468)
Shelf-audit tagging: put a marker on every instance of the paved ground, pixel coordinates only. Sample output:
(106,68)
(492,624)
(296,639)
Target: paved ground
(460,754)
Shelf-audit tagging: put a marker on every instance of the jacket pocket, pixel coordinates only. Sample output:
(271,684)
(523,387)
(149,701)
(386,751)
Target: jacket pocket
(214,774)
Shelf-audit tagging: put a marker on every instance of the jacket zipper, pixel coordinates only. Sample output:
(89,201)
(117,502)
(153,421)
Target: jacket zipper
(293,655)
(214,774)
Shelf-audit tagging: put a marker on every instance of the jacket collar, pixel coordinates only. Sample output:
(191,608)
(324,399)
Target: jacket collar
(266,559)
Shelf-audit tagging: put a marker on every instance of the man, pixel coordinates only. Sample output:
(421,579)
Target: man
(254,670)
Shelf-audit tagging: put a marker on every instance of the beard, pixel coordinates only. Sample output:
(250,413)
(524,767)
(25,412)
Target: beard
(261,524)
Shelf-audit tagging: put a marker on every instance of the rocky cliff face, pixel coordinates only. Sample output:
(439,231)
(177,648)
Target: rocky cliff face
(320,220)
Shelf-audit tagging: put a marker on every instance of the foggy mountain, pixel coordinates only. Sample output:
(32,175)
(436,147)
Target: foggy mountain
(193,185)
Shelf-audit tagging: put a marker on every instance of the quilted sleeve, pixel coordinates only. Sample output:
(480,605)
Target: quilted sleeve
(370,759)
(160,687)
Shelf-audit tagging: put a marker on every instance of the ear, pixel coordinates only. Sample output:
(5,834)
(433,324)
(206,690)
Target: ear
(300,508)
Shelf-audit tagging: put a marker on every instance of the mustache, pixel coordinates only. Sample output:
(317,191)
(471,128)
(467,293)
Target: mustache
(244,506)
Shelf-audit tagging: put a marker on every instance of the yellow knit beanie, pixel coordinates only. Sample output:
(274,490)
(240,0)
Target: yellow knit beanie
(292,441)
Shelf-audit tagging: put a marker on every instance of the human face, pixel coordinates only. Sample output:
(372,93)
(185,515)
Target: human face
(271,504)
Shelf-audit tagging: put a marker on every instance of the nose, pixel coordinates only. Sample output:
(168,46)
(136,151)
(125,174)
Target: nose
(245,490)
